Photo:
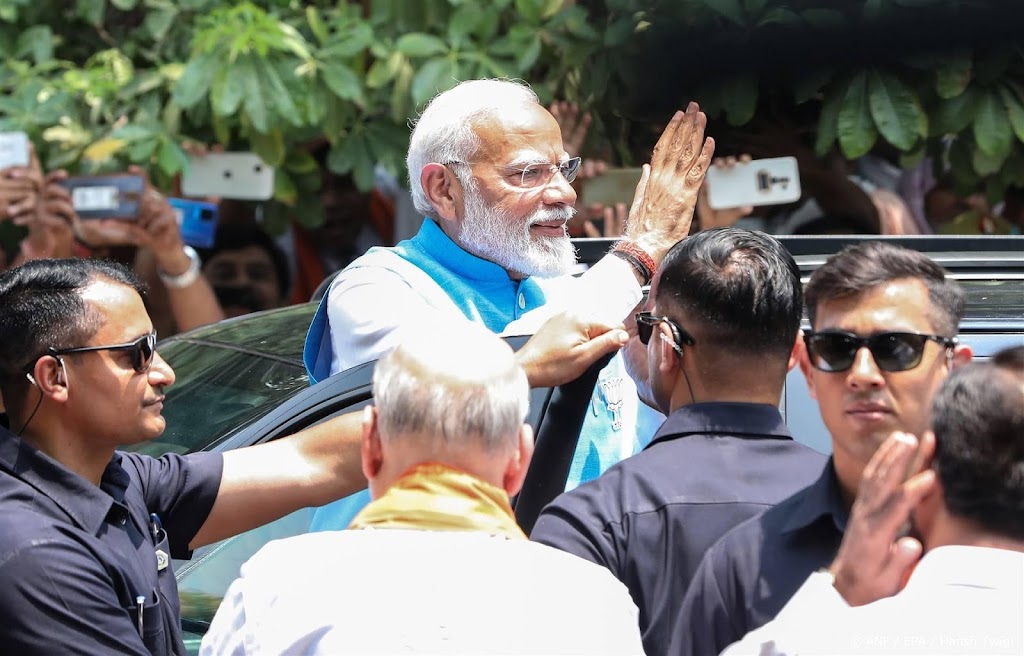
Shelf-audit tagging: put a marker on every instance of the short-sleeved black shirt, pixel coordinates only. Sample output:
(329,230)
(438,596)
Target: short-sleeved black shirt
(75,558)
(650,518)
(749,575)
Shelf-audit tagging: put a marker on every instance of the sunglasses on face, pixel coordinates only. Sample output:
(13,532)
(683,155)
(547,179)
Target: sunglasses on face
(645,322)
(142,351)
(836,350)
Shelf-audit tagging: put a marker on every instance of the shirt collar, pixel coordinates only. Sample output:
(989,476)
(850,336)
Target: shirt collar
(822,498)
(86,504)
(983,567)
(439,246)
(757,419)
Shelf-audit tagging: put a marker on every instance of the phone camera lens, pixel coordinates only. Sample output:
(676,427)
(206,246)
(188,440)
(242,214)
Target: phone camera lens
(258,168)
(206,215)
(227,174)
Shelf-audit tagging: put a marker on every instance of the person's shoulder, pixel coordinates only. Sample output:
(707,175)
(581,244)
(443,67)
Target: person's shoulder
(24,532)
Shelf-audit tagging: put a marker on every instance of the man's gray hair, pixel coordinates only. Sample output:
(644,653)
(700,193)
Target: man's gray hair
(446,130)
(459,386)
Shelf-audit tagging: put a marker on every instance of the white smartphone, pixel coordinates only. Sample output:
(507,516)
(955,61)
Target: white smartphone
(241,175)
(771,181)
(13,149)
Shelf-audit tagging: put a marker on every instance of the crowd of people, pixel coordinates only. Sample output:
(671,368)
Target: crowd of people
(692,522)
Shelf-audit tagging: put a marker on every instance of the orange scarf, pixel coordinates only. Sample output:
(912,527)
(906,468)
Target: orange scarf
(435,497)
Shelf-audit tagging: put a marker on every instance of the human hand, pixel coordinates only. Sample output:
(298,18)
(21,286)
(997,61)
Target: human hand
(564,346)
(606,221)
(572,123)
(666,195)
(19,191)
(729,216)
(874,560)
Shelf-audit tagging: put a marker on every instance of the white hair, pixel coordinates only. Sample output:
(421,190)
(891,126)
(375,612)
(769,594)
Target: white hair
(446,130)
(460,385)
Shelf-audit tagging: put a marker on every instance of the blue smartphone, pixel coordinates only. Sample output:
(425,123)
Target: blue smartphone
(197,220)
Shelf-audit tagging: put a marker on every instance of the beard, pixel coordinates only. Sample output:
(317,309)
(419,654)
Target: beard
(498,236)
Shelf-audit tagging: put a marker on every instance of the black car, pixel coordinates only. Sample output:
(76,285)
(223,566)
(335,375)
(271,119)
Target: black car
(242,382)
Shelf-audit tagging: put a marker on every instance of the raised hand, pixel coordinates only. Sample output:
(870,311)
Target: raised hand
(573,124)
(666,195)
(875,556)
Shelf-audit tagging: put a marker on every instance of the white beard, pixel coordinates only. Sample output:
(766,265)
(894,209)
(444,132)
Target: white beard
(496,235)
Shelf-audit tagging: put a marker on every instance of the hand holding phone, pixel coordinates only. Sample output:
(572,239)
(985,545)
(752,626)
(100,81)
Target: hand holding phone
(106,196)
(772,181)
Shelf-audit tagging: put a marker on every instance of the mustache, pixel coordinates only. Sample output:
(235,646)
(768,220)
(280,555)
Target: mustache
(548,214)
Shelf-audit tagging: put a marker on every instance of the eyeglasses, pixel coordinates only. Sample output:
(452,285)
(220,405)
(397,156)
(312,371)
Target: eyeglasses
(645,322)
(836,350)
(142,350)
(539,175)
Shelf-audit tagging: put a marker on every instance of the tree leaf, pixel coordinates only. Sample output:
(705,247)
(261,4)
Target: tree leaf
(779,16)
(828,120)
(826,19)
(158,21)
(194,82)
(300,162)
(91,11)
(464,21)
(528,57)
(343,82)
(992,131)
(731,9)
(854,125)
(254,94)
(953,74)
(269,146)
(284,188)
(811,83)
(985,164)
(418,44)
(896,110)
(433,77)
(171,158)
(124,5)
(1014,111)
(530,10)
(226,92)
(618,32)
(955,114)
(36,41)
(739,95)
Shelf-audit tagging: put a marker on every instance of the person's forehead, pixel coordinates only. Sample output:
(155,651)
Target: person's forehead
(251,254)
(894,305)
(124,315)
(524,136)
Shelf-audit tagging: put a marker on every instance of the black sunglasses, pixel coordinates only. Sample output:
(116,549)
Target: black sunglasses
(645,322)
(837,350)
(142,350)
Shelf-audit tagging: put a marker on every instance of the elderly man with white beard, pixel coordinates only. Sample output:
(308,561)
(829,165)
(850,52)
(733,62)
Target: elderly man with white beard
(488,170)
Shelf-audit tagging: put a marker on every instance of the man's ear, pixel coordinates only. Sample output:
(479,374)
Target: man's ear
(50,376)
(519,463)
(962,354)
(798,350)
(669,359)
(442,189)
(372,454)
(805,366)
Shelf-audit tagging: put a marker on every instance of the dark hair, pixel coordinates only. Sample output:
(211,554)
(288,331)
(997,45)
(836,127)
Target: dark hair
(862,267)
(41,306)
(742,287)
(978,419)
(234,235)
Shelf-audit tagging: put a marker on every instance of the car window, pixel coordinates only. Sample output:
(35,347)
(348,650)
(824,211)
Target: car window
(218,389)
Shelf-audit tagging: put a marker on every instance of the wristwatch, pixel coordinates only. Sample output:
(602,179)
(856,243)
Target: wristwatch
(189,276)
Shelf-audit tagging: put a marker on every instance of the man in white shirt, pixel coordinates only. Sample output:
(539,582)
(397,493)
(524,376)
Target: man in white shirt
(436,563)
(488,170)
(966,594)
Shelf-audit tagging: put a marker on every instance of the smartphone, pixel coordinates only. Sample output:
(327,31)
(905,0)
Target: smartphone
(611,187)
(197,221)
(228,175)
(771,181)
(13,149)
(106,196)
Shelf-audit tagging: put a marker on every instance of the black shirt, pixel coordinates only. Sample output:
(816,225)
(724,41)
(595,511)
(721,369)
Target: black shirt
(75,558)
(749,575)
(651,517)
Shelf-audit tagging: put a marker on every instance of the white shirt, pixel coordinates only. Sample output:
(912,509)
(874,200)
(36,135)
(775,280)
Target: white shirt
(390,591)
(959,600)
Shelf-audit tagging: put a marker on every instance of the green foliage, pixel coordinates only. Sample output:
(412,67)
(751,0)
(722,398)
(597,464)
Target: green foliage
(99,84)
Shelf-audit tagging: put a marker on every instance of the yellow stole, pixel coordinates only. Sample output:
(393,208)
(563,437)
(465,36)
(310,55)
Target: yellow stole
(435,497)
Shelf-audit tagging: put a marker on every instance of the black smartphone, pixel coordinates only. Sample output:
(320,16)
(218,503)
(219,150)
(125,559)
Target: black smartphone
(106,196)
